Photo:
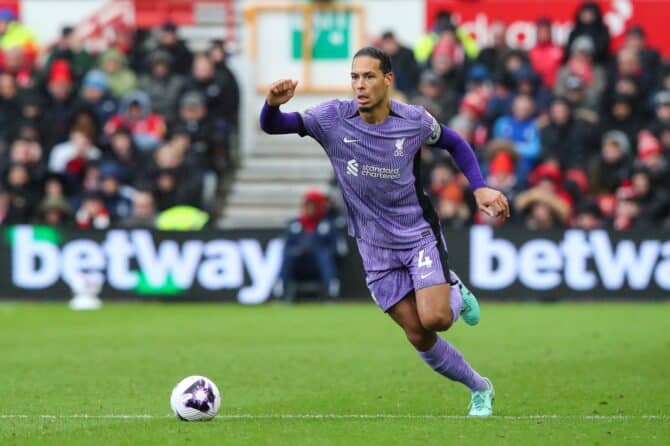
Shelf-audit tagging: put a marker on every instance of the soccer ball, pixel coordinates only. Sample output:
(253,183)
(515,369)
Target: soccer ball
(195,398)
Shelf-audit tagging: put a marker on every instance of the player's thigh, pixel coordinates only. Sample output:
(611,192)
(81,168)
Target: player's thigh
(429,270)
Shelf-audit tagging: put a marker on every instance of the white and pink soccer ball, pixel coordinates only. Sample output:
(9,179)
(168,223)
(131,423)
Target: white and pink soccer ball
(195,398)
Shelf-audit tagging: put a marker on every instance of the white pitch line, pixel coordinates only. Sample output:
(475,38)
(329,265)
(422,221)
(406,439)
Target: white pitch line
(343,417)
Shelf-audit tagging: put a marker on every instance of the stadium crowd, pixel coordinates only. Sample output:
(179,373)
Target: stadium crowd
(575,135)
(123,137)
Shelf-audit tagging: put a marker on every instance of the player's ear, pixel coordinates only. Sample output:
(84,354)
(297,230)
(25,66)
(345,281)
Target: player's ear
(388,78)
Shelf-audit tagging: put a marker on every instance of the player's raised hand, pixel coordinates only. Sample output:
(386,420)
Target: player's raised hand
(281,91)
(492,202)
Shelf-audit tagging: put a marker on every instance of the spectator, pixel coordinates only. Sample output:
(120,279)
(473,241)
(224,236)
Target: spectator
(447,60)
(452,210)
(627,77)
(440,102)
(221,94)
(54,211)
(173,182)
(61,104)
(661,112)
(542,210)
(581,64)
(117,196)
(405,68)
(650,156)
(613,165)
(546,205)
(69,47)
(181,56)
(120,78)
(29,153)
(15,35)
(161,84)
(546,56)
(143,211)
(528,82)
(443,22)
(587,216)
(70,157)
(589,23)
(95,97)
(492,56)
(521,129)
(650,59)
(310,249)
(627,211)
(4,205)
(10,110)
(207,143)
(136,114)
(503,158)
(22,194)
(621,117)
(566,139)
(500,103)
(15,63)
(654,201)
(32,124)
(123,152)
(92,214)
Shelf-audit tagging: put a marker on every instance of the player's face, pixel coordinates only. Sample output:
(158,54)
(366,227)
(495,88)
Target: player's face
(369,83)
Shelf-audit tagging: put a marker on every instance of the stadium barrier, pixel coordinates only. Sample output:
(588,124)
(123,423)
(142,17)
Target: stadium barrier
(38,263)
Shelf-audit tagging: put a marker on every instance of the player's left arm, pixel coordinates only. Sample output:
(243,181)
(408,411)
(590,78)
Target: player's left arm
(489,200)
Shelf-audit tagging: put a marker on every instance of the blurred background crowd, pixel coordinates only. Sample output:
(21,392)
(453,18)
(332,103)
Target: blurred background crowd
(575,135)
(141,134)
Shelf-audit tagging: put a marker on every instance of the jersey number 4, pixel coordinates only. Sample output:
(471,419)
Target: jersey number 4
(424,260)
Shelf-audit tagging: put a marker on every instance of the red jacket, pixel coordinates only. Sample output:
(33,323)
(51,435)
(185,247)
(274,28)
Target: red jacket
(546,61)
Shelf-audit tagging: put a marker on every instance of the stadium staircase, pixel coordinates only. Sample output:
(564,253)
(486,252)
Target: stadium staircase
(269,184)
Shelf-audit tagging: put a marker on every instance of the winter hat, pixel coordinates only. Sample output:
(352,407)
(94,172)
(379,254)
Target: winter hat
(474,103)
(647,145)
(619,138)
(60,72)
(96,79)
(502,162)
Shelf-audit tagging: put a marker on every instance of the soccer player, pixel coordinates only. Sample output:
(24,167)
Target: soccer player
(374,146)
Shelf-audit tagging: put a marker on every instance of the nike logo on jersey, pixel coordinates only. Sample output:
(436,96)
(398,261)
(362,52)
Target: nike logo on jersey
(347,140)
(423,276)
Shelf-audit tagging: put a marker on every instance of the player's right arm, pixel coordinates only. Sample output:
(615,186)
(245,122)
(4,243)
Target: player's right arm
(273,120)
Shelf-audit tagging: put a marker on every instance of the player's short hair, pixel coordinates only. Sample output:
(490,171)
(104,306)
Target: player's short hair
(376,53)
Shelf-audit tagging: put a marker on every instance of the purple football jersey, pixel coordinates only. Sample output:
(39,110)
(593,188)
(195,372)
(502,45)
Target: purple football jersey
(377,168)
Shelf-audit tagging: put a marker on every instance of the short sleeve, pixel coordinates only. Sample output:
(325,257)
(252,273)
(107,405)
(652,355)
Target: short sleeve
(430,128)
(318,121)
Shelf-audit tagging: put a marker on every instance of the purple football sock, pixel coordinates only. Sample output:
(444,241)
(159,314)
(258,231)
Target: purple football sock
(447,361)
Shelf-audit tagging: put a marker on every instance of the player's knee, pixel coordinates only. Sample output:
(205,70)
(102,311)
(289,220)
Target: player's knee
(437,321)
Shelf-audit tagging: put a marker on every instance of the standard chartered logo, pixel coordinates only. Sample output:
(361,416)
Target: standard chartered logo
(366,170)
(352,167)
(130,260)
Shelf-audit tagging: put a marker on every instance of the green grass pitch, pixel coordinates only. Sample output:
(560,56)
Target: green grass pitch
(331,374)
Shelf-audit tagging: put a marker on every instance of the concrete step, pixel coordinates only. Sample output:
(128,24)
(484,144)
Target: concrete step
(272,189)
(289,150)
(279,162)
(285,172)
(258,217)
(225,223)
(264,200)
